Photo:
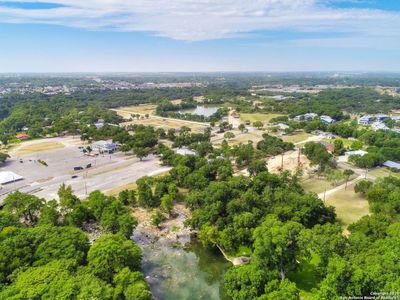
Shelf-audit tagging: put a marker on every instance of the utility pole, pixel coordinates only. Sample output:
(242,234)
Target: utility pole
(298,158)
(85,182)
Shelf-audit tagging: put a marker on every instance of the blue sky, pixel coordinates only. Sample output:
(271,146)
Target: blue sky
(202,35)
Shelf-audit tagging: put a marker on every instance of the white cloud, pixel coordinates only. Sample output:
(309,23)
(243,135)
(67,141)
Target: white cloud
(194,20)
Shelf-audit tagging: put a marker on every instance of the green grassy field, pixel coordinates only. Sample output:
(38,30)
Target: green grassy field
(349,206)
(316,185)
(296,137)
(319,184)
(258,117)
(383,172)
(38,147)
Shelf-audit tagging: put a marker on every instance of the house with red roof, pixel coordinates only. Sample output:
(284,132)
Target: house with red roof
(22,136)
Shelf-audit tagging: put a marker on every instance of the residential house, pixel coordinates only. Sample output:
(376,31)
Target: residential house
(22,136)
(379,126)
(326,119)
(328,146)
(365,120)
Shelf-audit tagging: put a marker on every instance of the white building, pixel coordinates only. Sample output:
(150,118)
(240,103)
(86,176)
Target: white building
(282,126)
(365,120)
(307,117)
(185,151)
(392,164)
(356,152)
(381,117)
(379,126)
(9,177)
(326,119)
(104,147)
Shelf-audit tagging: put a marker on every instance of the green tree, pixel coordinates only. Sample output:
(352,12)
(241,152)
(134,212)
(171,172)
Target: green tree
(242,127)
(3,157)
(229,135)
(24,206)
(141,152)
(157,218)
(245,282)
(347,174)
(145,192)
(131,286)
(56,280)
(258,124)
(256,166)
(318,155)
(275,245)
(167,203)
(335,176)
(110,254)
(127,197)
(363,186)
(338,147)
(67,198)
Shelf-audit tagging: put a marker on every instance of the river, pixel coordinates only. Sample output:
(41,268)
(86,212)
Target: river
(177,271)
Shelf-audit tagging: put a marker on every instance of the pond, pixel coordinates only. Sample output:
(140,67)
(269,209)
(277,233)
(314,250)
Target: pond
(202,110)
(177,272)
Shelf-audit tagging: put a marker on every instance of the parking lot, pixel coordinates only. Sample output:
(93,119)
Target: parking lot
(106,171)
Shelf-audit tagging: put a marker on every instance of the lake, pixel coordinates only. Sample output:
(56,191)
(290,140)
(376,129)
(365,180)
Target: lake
(202,110)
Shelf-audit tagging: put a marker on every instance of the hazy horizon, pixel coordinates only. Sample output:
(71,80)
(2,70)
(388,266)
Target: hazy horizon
(64,36)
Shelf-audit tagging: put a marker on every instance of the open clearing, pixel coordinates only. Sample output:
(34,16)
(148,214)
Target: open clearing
(290,162)
(296,137)
(349,206)
(37,147)
(315,185)
(167,123)
(245,138)
(319,184)
(156,121)
(140,109)
(258,117)
(383,172)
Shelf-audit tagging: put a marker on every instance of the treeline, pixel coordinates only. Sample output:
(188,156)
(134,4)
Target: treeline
(46,252)
(333,102)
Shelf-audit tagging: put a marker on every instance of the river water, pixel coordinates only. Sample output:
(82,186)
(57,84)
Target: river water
(182,272)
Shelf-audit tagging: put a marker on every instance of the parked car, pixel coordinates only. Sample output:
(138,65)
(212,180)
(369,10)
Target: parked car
(78,168)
